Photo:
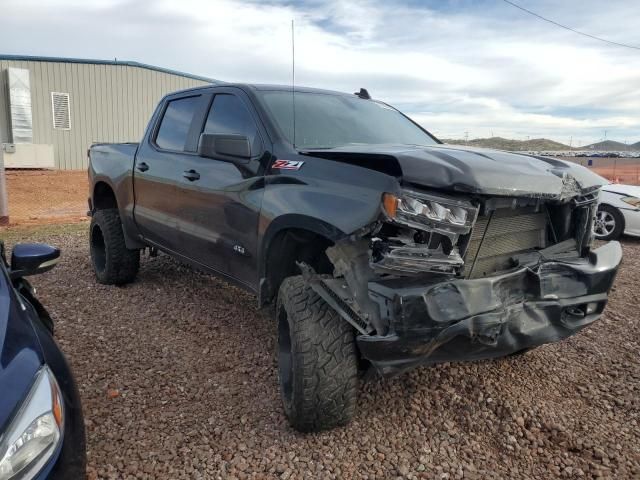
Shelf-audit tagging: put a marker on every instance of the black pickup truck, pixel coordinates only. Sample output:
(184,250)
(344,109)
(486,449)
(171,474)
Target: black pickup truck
(382,248)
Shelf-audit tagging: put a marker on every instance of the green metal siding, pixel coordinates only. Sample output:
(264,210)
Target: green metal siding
(108,103)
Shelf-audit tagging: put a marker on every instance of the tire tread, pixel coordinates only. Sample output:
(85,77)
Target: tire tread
(325,369)
(122,264)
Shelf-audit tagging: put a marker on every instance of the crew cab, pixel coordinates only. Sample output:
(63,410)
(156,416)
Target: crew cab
(382,248)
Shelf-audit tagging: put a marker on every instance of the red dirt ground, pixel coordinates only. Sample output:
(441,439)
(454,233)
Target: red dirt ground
(47,196)
(627,174)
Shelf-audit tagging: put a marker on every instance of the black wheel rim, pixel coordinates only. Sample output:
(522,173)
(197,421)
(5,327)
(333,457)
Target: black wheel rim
(98,249)
(285,365)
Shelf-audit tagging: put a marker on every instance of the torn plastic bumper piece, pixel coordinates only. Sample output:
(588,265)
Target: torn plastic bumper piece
(328,291)
(453,320)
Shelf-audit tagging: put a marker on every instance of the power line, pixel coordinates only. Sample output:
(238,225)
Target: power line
(569,28)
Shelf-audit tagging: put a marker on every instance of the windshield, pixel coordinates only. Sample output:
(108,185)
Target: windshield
(327,121)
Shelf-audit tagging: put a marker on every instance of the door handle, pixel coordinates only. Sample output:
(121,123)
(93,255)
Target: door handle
(191,175)
(143,167)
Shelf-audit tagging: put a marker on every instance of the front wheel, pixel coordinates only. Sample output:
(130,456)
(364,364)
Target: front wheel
(317,359)
(609,223)
(113,263)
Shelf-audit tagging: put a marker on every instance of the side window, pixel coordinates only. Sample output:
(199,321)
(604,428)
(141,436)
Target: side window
(228,115)
(176,122)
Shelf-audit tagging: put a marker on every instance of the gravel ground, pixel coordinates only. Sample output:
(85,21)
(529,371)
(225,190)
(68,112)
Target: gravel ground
(178,380)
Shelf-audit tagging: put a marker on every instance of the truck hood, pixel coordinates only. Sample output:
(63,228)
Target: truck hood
(476,170)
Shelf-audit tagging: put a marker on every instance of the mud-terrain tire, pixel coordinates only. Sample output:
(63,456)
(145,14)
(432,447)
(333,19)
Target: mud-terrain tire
(113,263)
(317,360)
(609,223)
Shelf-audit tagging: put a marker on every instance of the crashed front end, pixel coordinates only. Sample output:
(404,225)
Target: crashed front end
(442,278)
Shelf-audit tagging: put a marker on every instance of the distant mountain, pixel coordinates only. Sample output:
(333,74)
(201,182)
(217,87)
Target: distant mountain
(611,146)
(541,144)
(499,143)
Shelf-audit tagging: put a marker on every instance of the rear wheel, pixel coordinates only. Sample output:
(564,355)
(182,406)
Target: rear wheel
(317,360)
(113,263)
(609,223)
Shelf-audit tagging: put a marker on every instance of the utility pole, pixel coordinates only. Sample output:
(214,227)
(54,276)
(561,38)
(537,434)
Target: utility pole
(571,142)
(466,137)
(4,205)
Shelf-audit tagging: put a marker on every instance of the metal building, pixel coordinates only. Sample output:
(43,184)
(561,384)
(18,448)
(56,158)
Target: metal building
(53,109)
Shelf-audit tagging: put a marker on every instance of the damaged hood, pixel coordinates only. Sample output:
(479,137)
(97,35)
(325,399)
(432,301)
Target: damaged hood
(477,170)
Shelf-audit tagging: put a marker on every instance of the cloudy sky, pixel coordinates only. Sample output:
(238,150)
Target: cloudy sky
(476,66)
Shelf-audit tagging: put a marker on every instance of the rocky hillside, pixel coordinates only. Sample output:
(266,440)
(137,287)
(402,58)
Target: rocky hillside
(536,144)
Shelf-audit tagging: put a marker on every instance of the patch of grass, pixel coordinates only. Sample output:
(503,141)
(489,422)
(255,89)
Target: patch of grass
(32,233)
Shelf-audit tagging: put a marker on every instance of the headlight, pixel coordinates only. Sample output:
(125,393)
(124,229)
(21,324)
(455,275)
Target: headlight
(35,432)
(420,210)
(633,201)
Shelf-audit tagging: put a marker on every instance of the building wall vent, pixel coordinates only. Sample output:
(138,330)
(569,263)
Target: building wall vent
(20,105)
(61,111)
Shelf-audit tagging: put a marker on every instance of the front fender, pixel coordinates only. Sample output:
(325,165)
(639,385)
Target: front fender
(328,198)
(342,195)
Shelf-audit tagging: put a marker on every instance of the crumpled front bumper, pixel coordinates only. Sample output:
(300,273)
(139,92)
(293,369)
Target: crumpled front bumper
(452,320)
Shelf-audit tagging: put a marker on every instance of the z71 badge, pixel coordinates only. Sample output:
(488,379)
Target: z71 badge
(287,164)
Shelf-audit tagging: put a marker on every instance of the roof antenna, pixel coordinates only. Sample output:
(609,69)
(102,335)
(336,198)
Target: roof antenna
(293,80)
(363,93)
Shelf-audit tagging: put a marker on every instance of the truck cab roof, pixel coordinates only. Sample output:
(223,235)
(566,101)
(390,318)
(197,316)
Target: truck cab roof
(265,87)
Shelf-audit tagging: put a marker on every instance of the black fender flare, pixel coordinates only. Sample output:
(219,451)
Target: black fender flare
(97,179)
(286,222)
(129,228)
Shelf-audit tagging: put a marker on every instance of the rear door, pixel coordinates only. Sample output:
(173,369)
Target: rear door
(220,202)
(160,163)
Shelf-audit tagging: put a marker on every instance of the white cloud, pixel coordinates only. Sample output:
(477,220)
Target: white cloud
(455,66)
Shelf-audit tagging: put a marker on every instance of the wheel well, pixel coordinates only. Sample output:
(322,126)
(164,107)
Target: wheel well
(618,211)
(288,247)
(103,197)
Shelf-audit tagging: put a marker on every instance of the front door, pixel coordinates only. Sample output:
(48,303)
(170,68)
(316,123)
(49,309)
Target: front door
(219,203)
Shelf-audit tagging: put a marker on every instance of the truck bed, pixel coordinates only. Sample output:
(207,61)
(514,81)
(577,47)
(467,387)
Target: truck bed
(119,151)
(111,168)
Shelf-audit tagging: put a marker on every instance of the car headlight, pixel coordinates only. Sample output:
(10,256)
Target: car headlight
(420,210)
(35,432)
(633,201)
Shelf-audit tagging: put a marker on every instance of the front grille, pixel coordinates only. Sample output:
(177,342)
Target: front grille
(496,237)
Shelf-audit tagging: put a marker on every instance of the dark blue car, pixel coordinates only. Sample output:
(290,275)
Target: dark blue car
(41,424)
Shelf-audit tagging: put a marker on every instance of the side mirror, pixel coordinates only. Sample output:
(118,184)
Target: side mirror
(32,258)
(215,145)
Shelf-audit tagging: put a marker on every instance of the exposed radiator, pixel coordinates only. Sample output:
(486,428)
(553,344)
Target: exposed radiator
(495,238)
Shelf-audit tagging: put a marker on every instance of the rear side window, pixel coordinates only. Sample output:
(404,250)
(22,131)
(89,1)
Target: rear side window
(176,122)
(228,115)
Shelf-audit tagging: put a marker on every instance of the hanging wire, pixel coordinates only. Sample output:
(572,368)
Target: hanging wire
(569,28)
